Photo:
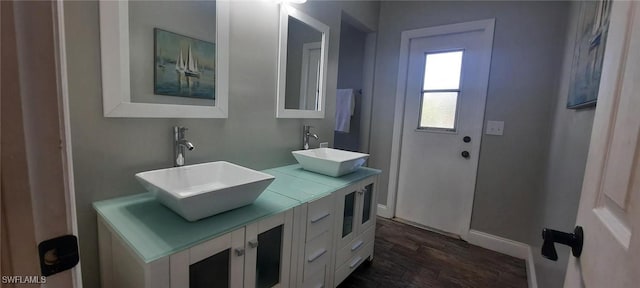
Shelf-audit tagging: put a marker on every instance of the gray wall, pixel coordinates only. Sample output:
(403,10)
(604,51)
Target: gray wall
(559,197)
(108,151)
(350,73)
(527,52)
(352,42)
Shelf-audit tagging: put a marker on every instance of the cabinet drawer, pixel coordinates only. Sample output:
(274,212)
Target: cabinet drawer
(350,250)
(316,254)
(343,271)
(319,217)
(316,280)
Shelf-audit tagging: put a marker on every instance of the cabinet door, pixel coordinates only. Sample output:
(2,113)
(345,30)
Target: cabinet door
(268,254)
(367,195)
(346,214)
(215,263)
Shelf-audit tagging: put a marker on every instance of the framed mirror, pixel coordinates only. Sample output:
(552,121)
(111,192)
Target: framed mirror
(165,59)
(302,65)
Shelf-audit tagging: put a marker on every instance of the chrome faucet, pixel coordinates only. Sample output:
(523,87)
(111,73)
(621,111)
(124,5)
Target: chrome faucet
(179,145)
(306,133)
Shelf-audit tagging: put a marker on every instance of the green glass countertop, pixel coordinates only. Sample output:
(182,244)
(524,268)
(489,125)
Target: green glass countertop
(154,231)
(297,188)
(335,182)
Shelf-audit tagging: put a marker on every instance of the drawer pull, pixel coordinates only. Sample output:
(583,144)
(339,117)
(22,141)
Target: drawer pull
(253,243)
(355,262)
(317,255)
(239,251)
(357,245)
(325,215)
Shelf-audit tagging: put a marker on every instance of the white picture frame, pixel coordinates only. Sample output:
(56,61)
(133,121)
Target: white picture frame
(116,89)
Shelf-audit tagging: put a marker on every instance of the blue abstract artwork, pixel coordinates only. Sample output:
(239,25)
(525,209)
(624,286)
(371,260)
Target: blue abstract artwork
(184,66)
(588,53)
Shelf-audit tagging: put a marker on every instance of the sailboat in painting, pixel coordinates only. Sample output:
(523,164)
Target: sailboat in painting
(193,61)
(180,67)
(161,65)
(190,67)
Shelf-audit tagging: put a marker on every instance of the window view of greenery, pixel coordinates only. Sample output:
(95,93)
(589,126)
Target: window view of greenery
(439,110)
(441,87)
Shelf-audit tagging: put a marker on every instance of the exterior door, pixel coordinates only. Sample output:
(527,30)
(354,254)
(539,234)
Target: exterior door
(609,209)
(445,96)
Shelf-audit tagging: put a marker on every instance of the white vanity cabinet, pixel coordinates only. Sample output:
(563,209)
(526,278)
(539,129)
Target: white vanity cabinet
(268,252)
(306,230)
(354,234)
(256,255)
(313,238)
(120,266)
(216,263)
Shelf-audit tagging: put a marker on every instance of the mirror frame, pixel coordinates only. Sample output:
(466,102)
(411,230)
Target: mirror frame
(281,111)
(116,89)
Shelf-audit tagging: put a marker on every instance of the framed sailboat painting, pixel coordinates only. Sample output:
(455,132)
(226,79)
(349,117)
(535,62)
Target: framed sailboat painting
(591,38)
(184,66)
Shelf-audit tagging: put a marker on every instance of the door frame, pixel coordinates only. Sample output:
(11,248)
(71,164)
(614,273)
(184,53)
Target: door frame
(486,25)
(304,72)
(45,124)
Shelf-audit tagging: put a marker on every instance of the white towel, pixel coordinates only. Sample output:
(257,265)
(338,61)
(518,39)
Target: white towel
(345,106)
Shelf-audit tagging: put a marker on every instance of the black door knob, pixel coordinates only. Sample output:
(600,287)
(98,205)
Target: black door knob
(466,139)
(465,154)
(573,240)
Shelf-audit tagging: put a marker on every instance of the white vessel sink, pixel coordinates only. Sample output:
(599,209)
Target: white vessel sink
(330,162)
(201,190)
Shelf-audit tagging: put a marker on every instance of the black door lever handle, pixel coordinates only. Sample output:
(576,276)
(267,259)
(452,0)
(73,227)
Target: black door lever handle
(573,240)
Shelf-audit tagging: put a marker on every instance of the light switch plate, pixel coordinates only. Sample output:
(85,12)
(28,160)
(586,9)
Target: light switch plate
(495,128)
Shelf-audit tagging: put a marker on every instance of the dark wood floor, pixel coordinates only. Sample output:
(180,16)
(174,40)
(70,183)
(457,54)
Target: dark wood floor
(406,256)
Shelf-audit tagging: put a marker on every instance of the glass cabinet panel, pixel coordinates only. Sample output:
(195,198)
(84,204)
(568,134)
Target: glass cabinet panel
(210,272)
(366,208)
(349,212)
(269,257)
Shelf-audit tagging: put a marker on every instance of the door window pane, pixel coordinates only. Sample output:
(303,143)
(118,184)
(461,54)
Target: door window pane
(268,262)
(438,110)
(366,210)
(442,70)
(210,272)
(349,207)
(441,88)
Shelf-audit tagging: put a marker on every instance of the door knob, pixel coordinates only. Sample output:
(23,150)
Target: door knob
(465,154)
(573,240)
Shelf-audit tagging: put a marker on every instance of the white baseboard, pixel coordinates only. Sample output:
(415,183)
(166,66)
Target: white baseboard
(384,212)
(508,247)
(498,244)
